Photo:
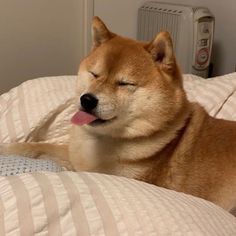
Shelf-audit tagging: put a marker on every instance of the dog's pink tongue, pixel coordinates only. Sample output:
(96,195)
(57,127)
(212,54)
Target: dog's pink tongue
(82,118)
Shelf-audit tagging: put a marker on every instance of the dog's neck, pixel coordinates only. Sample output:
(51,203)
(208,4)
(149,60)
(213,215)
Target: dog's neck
(145,147)
(163,149)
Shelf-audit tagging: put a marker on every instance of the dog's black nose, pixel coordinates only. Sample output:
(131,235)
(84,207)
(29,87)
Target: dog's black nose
(88,101)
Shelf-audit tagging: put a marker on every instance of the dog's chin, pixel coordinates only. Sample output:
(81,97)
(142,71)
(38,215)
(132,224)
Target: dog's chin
(110,127)
(102,122)
(113,128)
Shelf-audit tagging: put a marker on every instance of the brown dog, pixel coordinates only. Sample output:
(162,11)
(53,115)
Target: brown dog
(134,120)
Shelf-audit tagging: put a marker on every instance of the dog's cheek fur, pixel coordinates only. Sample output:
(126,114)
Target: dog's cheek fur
(130,107)
(147,114)
(141,118)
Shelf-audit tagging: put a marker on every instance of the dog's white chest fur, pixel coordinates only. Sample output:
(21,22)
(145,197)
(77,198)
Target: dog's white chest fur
(90,152)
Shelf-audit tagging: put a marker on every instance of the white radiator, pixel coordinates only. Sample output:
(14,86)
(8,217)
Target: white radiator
(191,28)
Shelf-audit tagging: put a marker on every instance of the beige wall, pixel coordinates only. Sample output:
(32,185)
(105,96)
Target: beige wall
(43,38)
(121,16)
(39,38)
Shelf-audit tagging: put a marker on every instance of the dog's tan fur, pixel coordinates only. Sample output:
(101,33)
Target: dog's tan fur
(153,133)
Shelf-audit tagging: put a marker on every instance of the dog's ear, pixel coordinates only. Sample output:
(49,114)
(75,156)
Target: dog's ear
(162,51)
(100,32)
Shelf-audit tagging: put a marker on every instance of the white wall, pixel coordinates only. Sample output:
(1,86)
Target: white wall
(121,17)
(39,38)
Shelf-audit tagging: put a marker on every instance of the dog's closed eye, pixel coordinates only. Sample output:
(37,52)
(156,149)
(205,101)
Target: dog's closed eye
(125,83)
(94,74)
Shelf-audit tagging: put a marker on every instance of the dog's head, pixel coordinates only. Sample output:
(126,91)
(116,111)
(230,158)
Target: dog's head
(128,88)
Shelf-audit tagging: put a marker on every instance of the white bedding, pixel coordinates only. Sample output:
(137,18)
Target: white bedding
(81,204)
(69,203)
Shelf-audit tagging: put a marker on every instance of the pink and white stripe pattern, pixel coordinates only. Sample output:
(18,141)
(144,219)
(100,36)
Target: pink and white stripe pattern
(217,95)
(84,204)
(39,104)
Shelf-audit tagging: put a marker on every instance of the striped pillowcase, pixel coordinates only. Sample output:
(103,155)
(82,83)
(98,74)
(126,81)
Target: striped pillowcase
(35,104)
(69,203)
(217,95)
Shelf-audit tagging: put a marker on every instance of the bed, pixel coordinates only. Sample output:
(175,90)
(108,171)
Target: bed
(48,200)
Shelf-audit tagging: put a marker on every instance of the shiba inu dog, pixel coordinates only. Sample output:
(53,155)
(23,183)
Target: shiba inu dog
(134,120)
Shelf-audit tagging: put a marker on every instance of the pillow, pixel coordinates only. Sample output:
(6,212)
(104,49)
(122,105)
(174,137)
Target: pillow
(217,95)
(38,110)
(85,204)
